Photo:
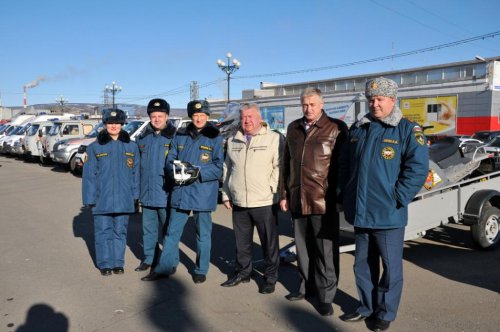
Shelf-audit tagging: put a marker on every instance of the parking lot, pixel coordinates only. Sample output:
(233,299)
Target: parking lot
(49,281)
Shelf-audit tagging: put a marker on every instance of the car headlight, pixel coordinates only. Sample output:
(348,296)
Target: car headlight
(62,146)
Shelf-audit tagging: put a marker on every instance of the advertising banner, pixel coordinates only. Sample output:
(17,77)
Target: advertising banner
(274,116)
(342,111)
(437,113)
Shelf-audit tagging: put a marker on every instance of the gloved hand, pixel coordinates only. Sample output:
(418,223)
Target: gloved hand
(185,173)
(137,206)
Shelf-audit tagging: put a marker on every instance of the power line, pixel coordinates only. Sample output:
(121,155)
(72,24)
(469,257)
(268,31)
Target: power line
(387,57)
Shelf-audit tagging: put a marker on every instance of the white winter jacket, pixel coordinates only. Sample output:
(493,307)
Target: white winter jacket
(251,173)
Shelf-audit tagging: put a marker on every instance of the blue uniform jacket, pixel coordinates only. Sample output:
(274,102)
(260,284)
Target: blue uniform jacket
(111,174)
(382,168)
(155,184)
(202,149)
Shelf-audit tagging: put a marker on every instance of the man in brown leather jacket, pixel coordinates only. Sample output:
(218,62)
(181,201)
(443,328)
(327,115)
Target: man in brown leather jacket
(308,189)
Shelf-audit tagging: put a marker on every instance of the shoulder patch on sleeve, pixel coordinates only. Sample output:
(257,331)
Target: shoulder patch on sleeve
(419,135)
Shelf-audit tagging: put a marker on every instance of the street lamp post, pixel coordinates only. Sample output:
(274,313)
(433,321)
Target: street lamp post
(228,68)
(61,100)
(114,89)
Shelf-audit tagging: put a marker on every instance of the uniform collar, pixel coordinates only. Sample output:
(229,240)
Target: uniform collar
(392,119)
(103,137)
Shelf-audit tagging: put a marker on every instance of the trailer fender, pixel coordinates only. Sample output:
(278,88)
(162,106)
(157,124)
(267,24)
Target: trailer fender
(476,204)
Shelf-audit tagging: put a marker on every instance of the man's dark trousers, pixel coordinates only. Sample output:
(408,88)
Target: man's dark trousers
(244,220)
(314,240)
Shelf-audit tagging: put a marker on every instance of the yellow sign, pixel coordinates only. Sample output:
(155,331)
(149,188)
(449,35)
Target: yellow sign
(438,112)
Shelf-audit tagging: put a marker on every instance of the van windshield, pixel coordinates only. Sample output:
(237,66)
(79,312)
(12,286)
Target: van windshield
(33,129)
(97,128)
(55,129)
(17,130)
(132,126)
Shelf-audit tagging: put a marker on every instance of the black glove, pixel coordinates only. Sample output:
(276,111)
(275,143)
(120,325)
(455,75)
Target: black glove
(137,206)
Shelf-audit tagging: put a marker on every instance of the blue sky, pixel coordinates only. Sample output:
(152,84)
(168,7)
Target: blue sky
(155,48)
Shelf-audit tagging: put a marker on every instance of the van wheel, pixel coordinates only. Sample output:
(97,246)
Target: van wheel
(486,232)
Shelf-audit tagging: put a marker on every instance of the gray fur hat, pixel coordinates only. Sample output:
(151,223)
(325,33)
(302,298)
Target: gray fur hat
(381,86)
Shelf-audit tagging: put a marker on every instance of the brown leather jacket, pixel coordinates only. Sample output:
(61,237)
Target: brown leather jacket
(308,176)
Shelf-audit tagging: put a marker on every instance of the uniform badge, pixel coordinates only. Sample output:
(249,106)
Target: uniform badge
(204,157)
(130,162)
(419,135)
(113,113)
(374,85)
(197,106)
(157,104)
(388,152)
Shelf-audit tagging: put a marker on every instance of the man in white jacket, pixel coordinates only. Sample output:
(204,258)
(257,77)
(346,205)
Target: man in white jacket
(251,174)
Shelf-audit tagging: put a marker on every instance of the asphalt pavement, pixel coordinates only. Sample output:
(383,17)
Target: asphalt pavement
(49,282)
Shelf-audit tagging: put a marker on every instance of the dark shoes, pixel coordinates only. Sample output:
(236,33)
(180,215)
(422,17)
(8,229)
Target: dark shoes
(142,267)
(325,309)
(381,325)
(199,278)
(153,276)
(235,280)
(118,270)
(267,288)
(295,296)
(105,272)
(353,317)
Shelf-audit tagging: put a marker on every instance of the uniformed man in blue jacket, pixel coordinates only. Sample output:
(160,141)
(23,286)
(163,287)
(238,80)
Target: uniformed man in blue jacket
(384,165)
(195,163)
(110,185)
(154,144)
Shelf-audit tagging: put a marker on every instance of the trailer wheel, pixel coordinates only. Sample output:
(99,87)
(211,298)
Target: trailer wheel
(486,232)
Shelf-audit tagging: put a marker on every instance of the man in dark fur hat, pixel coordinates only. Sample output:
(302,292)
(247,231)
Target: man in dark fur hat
(195,164)
(154,144)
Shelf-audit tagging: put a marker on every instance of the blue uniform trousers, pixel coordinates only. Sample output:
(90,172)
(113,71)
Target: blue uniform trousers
(170,256)
(379,295)
(110,234)
(153,220)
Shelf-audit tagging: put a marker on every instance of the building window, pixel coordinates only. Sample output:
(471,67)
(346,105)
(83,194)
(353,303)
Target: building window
(468,71)
(420,77)
(340,86)
(451,73)
(409,78)
(349,85)
(359,84)
(395,78)
(480,70)
(434,75)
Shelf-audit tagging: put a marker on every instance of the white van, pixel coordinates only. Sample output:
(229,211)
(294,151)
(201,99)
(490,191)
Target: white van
(37,132)
(18,120)
(133,127)
(16,126)
(64,129)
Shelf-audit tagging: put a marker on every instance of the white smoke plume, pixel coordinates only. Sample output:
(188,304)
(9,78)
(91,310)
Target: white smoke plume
(35,82)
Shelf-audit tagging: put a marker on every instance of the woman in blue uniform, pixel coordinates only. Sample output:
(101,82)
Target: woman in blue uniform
(111,187)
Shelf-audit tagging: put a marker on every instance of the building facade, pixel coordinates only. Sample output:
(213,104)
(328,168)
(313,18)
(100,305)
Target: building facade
(457,98)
